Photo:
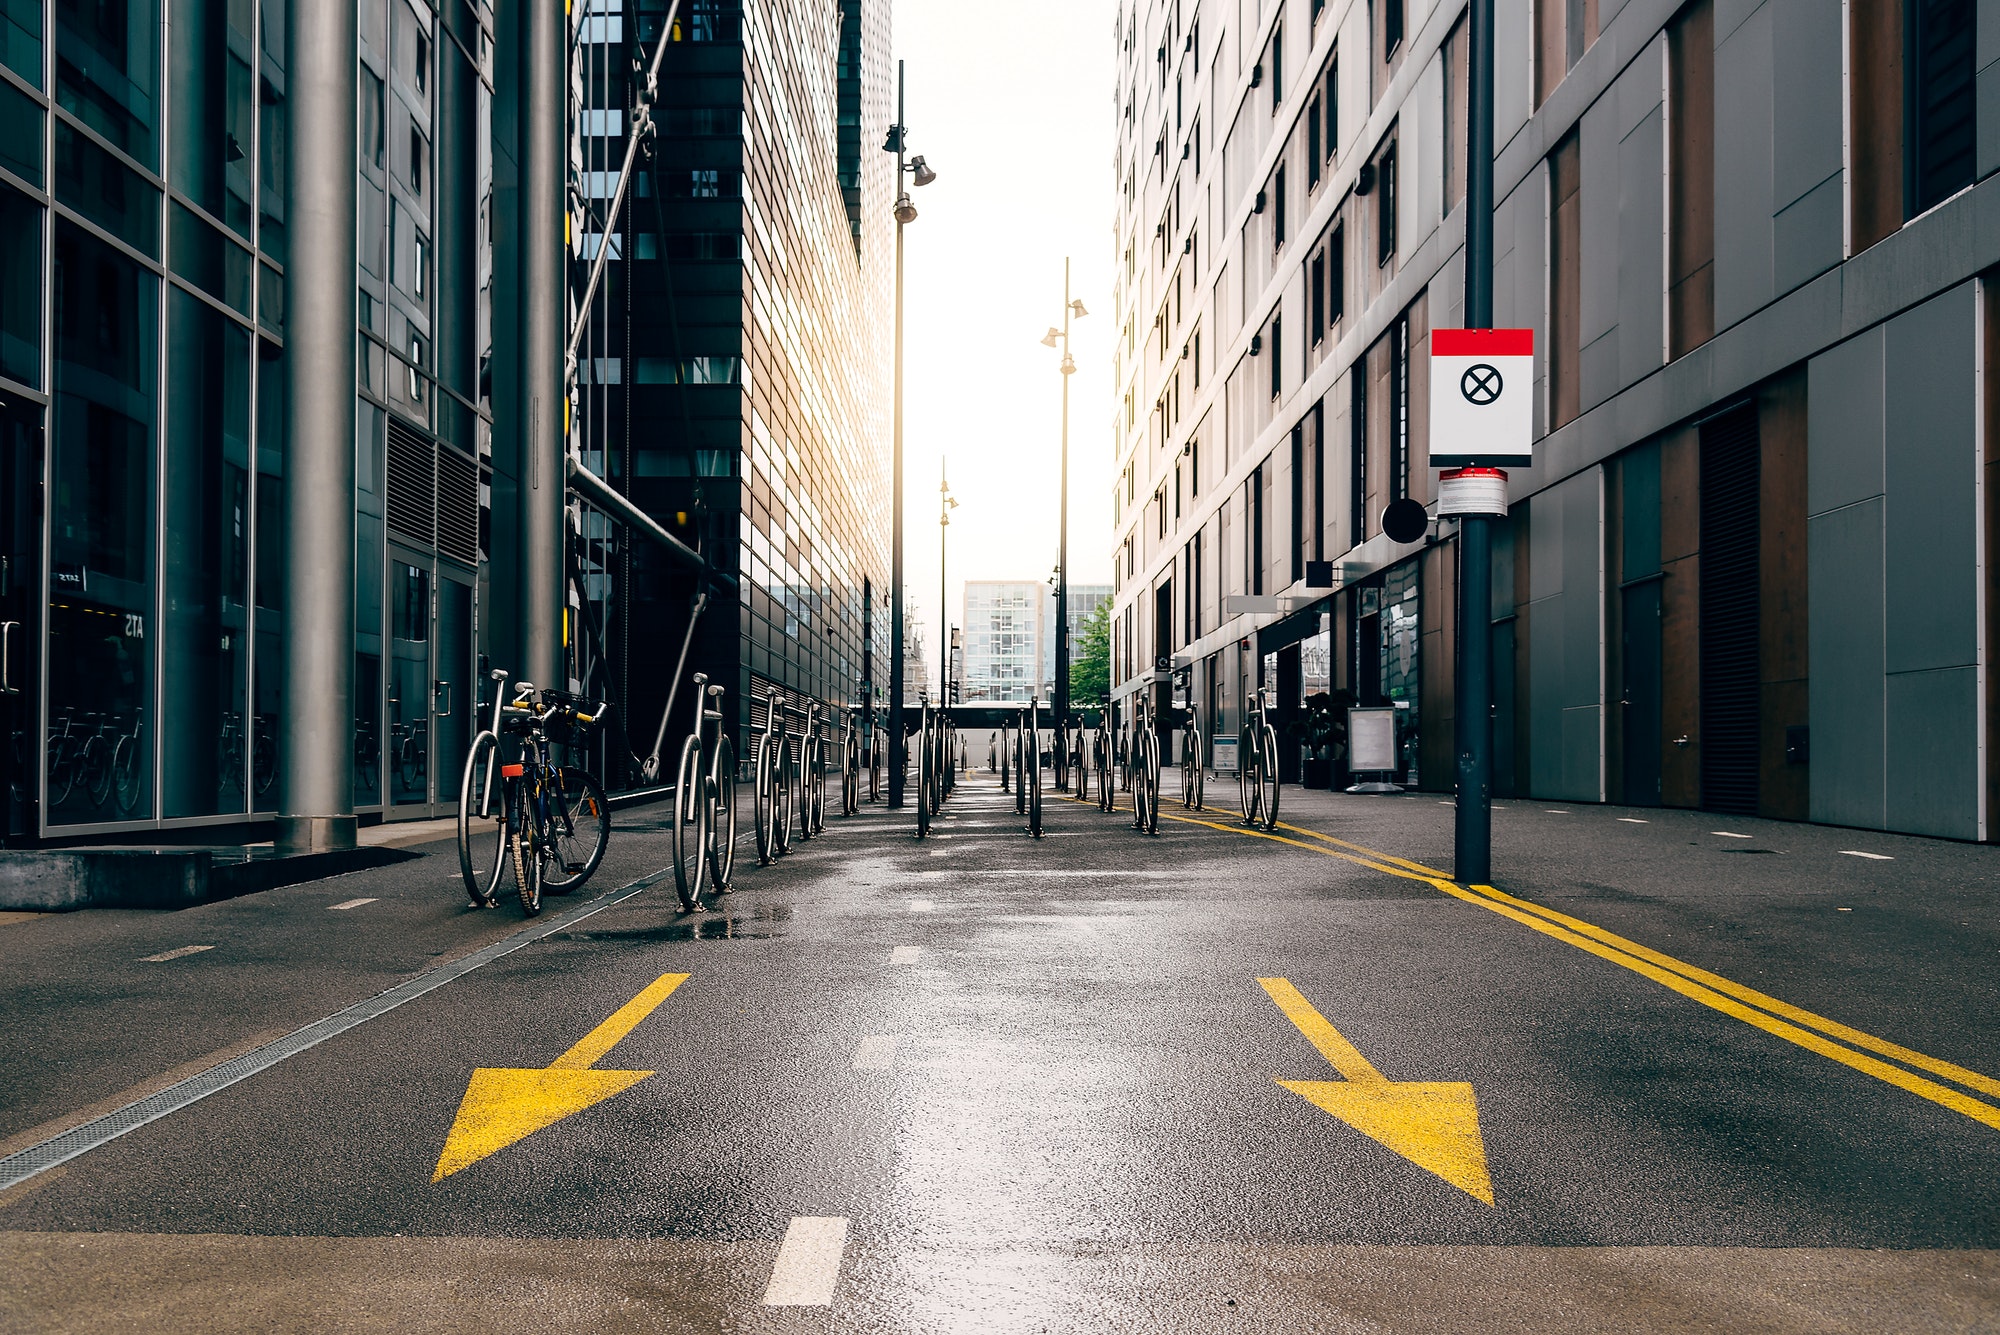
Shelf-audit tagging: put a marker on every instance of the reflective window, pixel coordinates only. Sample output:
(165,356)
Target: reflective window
(101,533)
(21,223)
(106,191)
(409,691)
(21,38)
(204,677)
(107,70)
(269,661)
(271,133)
(369,425)
(199,252)
(212,110)
(20,133)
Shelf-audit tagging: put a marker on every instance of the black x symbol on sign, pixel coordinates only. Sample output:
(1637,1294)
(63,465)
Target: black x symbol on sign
(1480,384)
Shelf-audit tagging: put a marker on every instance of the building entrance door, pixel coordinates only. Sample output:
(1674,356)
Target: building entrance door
(1640,701)
(407,747)
(20,621)
(454,687)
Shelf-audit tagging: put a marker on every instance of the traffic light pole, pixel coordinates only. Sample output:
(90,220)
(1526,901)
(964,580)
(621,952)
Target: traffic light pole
(1472,842)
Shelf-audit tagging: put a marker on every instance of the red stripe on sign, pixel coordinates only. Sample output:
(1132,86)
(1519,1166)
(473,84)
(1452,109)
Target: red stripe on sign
(1482,342)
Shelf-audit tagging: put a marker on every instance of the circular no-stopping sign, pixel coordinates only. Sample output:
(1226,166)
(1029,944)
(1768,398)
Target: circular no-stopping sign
(1481,384)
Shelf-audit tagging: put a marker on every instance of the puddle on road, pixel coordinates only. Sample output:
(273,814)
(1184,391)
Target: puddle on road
(761,924)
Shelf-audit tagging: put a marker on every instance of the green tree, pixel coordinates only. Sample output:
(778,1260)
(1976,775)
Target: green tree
(1090,660)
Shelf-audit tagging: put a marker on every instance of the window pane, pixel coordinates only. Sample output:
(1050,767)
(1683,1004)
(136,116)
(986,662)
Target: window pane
(270,576)
(21,38)
(107,71)
(20,133)
(21,223)
(207,565)
(205,257)
(369,553)
(101,530)
(212,109)
(106,191)
(271,169)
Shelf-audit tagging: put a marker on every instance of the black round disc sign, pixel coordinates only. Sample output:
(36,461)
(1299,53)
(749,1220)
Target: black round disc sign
(1480,384)
(1405,520)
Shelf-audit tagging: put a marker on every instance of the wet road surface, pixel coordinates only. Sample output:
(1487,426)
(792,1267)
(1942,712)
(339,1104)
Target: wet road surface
(1209,1080)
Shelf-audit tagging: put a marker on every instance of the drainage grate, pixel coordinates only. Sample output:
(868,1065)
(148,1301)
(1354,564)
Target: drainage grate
(19,1167)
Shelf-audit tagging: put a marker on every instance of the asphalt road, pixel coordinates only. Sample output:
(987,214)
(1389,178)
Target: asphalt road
(1655,1079)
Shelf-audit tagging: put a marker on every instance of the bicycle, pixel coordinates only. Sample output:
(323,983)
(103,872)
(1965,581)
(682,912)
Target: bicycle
(1102,753)
(811,775)
(1257,766)
(1192,756)
(770,794)
(554,819)
(926,778)
(1032,747)
(482,854)
(1145,783)
(850,768)
(704,825)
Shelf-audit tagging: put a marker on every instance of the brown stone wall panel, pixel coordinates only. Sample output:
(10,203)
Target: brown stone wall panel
(1680,683)
(1875,102)
(1691,178)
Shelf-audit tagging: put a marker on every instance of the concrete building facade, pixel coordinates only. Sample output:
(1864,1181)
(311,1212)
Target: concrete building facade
(1748,569)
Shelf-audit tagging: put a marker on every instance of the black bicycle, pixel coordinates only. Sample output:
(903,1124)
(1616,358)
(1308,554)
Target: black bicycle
(705,802)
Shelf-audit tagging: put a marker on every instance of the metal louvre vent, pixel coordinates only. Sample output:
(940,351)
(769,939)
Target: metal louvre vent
(457,505)
(1729,599)
(412,483)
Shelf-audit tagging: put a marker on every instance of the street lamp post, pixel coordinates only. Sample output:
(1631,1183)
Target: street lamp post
(906,213)
(1472,835)
(1060,703)
(946,504)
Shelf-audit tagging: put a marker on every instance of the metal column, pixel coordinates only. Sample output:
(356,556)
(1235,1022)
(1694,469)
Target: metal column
(316,730)
(542,420)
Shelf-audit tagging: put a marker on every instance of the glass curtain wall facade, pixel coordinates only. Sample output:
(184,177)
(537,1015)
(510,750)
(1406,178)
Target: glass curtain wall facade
(1006,629)
(729,381)
(142,369)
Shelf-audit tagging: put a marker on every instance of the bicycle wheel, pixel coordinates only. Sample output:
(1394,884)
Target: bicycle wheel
(924,781)
(690,826)
(1268,776)
(763,801)
(781,788)
(722,816)
(580,830)
(805,789)
(125,781)
(482,821)
(816,779)
(1152,783)
(97,770)
(1247,788)
(527,862)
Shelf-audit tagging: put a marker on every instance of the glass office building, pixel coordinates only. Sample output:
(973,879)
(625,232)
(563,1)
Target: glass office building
(734,380)
(143,251)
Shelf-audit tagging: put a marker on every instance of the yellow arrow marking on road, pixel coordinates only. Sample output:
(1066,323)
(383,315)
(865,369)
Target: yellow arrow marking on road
(504,1105)
(1434,1124)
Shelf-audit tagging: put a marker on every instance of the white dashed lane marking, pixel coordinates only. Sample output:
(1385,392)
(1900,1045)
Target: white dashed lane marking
(905,954)
(808,1265)
(166,955)
(352,904)
(921,906)
(1730,834)
(1873,857)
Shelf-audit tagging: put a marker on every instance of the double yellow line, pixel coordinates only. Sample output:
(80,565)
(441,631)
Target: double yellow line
(1829,1038)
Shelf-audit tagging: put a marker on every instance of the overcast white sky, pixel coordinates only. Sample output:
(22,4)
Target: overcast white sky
(1011,106)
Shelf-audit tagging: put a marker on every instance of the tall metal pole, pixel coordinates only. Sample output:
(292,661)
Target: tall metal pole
(944,610)
(1472,842)
(316,732)
(543,417)
(896,759)
(1061,701)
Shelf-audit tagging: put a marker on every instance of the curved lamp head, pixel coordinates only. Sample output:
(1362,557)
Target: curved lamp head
(1077,307)
(1049,339)
(906,212)
(920,171)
